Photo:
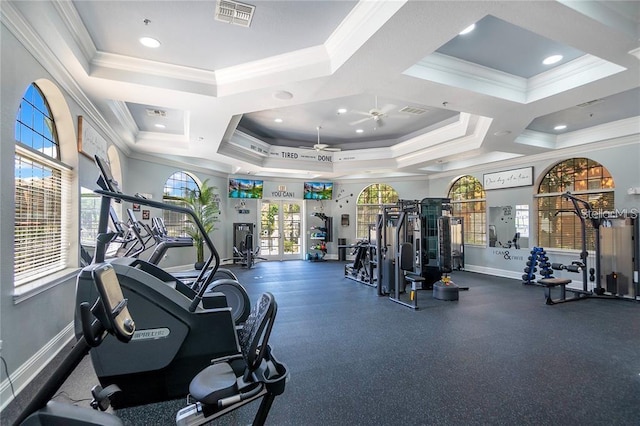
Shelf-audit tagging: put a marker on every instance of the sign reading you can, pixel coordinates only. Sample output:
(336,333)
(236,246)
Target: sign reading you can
(509,178)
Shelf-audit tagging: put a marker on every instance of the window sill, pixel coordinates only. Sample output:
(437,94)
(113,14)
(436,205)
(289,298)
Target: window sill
(27,291)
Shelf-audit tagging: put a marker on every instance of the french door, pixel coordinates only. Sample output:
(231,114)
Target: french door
(280,230)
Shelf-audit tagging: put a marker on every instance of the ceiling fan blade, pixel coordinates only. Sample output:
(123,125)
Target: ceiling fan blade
(362,120)
(332,149)
(388,108)
(305,147)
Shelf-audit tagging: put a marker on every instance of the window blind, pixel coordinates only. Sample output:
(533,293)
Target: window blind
(42,207)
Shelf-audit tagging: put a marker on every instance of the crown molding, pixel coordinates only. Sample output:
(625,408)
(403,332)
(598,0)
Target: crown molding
(34,44)
(359,25)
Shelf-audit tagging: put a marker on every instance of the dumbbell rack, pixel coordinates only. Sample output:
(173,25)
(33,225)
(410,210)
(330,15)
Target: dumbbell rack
(538,261)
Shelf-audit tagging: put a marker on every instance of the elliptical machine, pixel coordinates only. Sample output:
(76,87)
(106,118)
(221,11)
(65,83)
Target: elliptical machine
(179,329)
(108,315)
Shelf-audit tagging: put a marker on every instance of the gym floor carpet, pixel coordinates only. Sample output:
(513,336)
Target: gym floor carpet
(497,356)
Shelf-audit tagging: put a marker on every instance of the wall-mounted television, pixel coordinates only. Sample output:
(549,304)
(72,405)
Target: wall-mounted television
(318,190)
(245,188)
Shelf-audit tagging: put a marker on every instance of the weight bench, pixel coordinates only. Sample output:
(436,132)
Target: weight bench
(549,283)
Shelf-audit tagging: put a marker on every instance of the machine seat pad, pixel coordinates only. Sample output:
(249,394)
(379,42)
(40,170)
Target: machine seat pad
(214,383)
(414,277)
(552,282)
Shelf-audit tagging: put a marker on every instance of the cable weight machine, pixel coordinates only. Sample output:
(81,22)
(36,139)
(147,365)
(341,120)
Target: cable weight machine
(414,247)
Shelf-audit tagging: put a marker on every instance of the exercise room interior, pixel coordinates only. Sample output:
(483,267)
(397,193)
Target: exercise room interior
(428,208)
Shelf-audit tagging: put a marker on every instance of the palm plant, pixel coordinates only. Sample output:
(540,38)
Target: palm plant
(204,203)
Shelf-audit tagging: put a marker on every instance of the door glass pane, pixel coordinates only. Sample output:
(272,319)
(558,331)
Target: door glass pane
(270,229)
(291,228)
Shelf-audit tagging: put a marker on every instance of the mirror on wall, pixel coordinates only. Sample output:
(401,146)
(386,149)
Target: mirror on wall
(89,217)
(509,226)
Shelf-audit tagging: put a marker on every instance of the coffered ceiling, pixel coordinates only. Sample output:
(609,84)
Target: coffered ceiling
(343,89)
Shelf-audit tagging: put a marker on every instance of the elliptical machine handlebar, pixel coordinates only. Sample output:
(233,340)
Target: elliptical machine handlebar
(203,276)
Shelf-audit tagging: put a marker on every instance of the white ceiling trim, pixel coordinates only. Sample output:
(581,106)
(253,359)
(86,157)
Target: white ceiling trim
(31,40)
(603,132)
(360,24)
(363,21)
(124,117)
(536,139)
(155,139)
(470,161)
(613,130)
(476,132)
(603,13)
(435,137)
(467,133)
(583,70)
(249,143)
(557,155)
(303,64)
(71,19)
(147,67)
(455,72)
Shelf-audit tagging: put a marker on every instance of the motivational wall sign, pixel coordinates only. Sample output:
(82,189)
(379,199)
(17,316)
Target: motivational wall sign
(509,178)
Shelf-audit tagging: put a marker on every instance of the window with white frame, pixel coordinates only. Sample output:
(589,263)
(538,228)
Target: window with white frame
(176,188)
(370,203)
(468,201)
(41,194)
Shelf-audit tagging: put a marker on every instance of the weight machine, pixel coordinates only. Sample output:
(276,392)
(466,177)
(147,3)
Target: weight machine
(243,251)
(616,257)
(414,246)
(364,264)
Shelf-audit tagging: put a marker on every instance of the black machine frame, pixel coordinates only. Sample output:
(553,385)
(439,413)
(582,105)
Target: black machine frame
(425,225)
(585,213)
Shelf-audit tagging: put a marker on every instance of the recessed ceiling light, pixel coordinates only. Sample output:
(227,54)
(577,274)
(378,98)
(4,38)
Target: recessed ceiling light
(502,133)
(550,60)
(149,42)
(342,110)
(160,126)
(278,120)
(359,131)
(560,127)
(468,29)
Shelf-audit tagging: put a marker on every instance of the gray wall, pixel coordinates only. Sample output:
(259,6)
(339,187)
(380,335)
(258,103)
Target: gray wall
(26,327)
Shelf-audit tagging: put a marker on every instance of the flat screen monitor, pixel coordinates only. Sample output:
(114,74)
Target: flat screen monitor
(318,190)
(245,188)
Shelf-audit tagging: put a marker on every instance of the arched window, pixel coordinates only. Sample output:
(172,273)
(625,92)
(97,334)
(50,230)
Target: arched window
(42,183)
(558,224)
(370,203)
(175,188)
(468,201)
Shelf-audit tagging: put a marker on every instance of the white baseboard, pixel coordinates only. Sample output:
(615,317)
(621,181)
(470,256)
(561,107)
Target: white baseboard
(34,365)
(494,271)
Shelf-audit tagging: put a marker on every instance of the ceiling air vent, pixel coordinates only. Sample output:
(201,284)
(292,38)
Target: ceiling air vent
(156,112)
(233,12)
(413,110)
(590,103)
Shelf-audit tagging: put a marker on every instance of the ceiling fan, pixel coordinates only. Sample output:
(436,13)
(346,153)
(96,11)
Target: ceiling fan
(376,114)
(321,146)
